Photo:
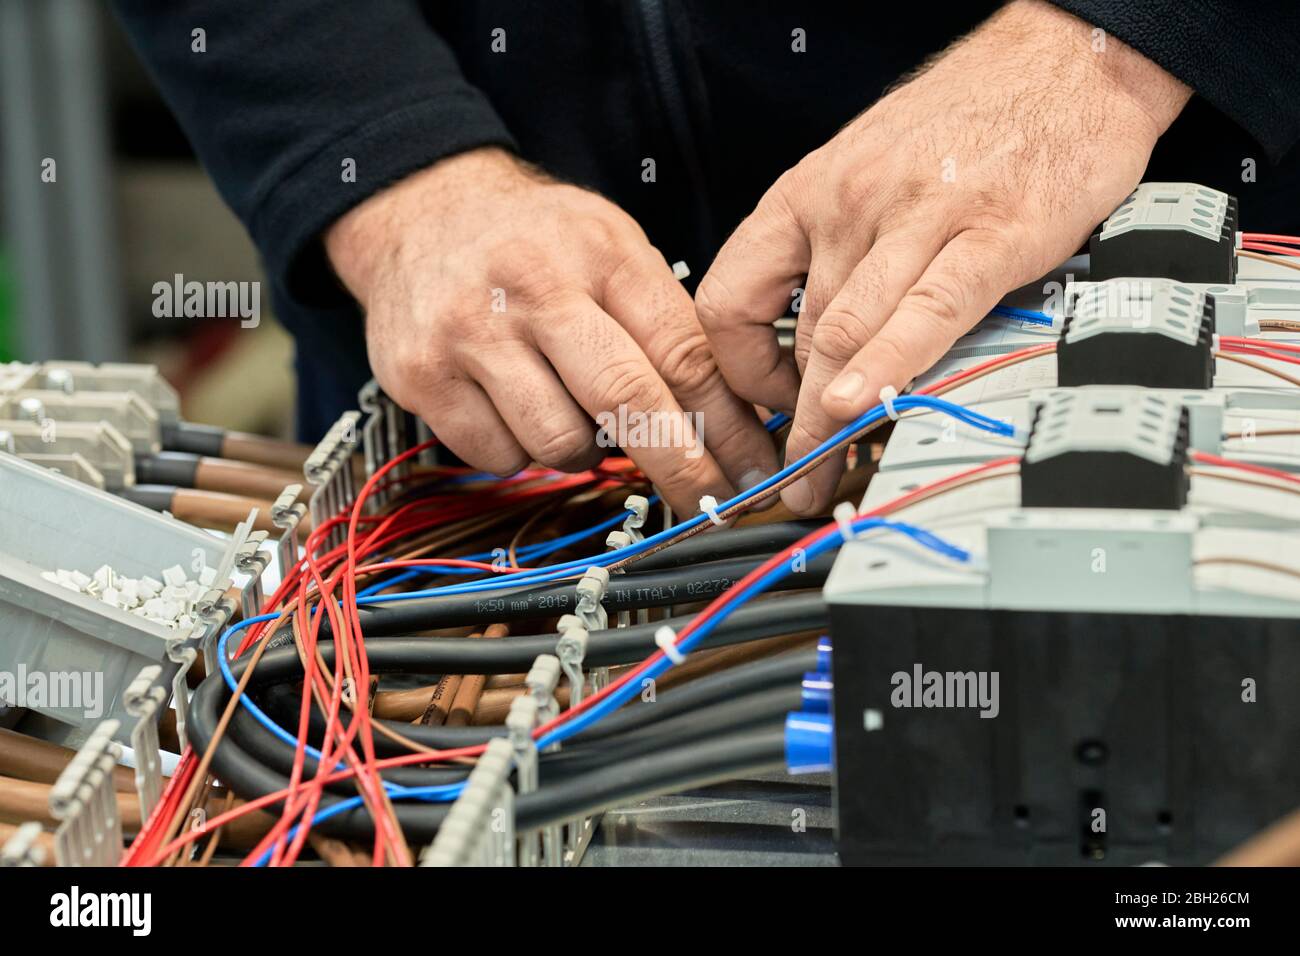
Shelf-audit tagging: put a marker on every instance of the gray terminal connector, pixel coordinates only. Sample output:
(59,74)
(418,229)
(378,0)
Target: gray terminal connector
(1106,448)
(1180,231)
(1135,331)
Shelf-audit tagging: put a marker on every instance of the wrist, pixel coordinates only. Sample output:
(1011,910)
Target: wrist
(1136,88)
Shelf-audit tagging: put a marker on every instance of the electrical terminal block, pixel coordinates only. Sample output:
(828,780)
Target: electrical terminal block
(1090,450)
(84,800)
(23,848)
(1138,332)
(479,828)
(1176,231)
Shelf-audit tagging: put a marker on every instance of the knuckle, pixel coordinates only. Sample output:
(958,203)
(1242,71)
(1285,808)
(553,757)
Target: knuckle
(688,367)
(938,298)
(628,383)
(711,301)
(524,269)
(840,333)
(565,446)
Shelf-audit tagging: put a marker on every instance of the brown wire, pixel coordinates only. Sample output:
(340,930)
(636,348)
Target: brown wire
(1242,360)
(1247,254)
(1245,479)
(1250,563)
(1265,432)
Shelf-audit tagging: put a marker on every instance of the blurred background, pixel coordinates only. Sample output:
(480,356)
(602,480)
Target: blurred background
(129,207)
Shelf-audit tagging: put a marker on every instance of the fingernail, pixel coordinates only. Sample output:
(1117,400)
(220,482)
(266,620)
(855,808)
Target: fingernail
(847,388)
(754,477)
(798,496)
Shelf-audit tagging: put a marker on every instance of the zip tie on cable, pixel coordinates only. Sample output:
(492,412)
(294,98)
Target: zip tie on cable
(844,514)
(887,396)
(666,638)
(709,505)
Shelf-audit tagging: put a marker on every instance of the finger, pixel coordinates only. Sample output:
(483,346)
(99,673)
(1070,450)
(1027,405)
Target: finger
(832,264)
(857,312)
(659,315)
(959,287)
(465,420)
(610,377)
(749,286)
(534,404)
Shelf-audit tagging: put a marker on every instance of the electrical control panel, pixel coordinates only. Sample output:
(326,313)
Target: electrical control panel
(1083,688)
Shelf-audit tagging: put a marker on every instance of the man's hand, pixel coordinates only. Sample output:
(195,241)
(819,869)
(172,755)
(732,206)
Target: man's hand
(509,311)
(978,175)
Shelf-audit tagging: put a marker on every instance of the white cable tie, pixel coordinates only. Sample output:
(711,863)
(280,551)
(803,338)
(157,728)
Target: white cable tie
(666,638)
(887,396)
(844,514)
(709,505)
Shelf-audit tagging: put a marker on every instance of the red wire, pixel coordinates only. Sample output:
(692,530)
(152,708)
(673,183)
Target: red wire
(1262,353)
(1259,343)
(1269,237)
(421,758)
(1269,247)
(345,644)
(1206,458)
(982,366)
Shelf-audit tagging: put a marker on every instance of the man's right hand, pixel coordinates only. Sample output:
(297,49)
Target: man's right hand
(508,311)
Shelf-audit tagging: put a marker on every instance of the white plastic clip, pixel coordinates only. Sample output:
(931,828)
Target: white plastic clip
(666,638)
(887,396)
(709,505)
(844,514)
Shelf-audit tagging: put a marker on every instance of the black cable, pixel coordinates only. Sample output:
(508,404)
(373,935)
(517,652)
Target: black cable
(630,591)
(696,764)
(176,468)
(271,688)
(690,765)
(194,438)
(767,617)
(578,756)
(730,543)
(780,670)
(764,708)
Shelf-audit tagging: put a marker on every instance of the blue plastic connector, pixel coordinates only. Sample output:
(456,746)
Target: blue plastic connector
(816,692)
(809,742)
(824,654)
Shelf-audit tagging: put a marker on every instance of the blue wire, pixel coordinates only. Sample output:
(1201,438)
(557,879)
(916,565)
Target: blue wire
(734,599)
(450,791)
(1024,315)
(541,549)
(565,569)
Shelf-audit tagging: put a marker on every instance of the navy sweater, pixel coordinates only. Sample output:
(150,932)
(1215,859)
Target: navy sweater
(588,89)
